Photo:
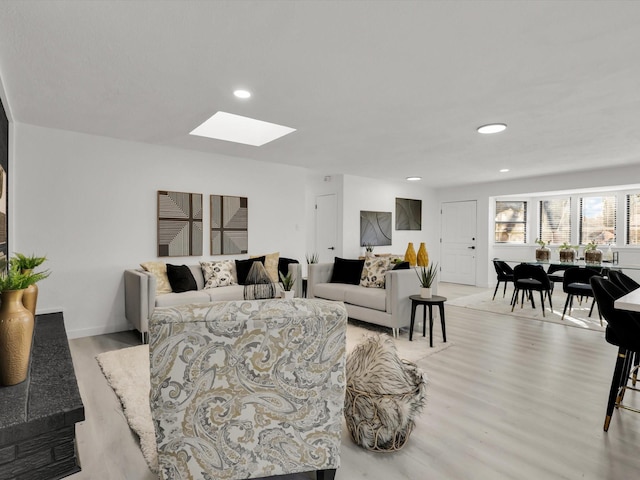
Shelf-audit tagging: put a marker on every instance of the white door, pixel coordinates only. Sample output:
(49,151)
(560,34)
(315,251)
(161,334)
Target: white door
(458,242)
(326,227)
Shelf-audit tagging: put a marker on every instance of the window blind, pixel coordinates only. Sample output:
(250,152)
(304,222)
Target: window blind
(511,222)
(555,221)
(598,219)
(633,219)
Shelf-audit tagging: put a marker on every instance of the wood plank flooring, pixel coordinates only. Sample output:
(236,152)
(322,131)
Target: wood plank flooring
(511,399)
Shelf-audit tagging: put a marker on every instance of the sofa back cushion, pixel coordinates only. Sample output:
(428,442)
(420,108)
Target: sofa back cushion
(347,271)
(180,278)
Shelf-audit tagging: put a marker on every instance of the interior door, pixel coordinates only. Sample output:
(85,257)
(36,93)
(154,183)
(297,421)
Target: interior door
(326,227)
(458,242)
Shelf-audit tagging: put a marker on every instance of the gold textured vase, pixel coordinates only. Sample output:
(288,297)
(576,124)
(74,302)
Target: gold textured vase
(410,255)
(423,256)
(16,333)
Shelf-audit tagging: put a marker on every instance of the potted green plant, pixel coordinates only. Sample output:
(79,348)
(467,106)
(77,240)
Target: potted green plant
(427,275)
(542,252)
(567,252)
(312,258)
(592,254)
(16,324)
(287,282)
(368,249)
(26,264)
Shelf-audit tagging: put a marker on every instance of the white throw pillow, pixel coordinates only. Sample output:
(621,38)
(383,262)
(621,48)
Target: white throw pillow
(219,274)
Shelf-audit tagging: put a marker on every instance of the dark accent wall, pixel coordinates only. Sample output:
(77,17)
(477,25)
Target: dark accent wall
(4,185)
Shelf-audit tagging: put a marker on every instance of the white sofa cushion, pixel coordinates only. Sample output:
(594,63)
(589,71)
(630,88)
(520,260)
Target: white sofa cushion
(182,298)
(330,291)
(374,298)
(232,292)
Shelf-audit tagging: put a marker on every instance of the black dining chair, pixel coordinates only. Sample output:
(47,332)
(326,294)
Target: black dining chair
(576,284)
(625,282)
(623,331)
(505,274)
(526,280)
(556,274)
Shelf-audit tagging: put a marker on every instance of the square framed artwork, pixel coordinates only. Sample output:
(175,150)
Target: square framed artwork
(408,214)
(375,228)
(179,224)
(229,225)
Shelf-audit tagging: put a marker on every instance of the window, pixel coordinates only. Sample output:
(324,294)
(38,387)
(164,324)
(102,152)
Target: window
(555,221)
(633,219)
(598,220)
(511,222)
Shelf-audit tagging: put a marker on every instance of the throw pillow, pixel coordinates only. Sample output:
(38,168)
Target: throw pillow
(258,283)
(158,270)
(402,266)
(243,267)
(271,265)
(373,272)
(347,271)
(180,278)
(283,265)
(218,274)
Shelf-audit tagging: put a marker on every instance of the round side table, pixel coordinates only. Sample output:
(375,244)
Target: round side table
(427,302)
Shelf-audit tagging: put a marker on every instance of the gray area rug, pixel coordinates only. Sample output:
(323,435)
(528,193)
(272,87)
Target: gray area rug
(127,373)
(579,316)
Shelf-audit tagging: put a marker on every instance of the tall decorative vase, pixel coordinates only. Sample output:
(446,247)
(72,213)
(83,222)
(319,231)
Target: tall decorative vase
(423,256)
(16,333)
(410,255)
(30,296)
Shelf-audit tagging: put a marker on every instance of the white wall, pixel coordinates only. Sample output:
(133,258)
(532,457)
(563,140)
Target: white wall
(89,204)
(604,178)
(362,193)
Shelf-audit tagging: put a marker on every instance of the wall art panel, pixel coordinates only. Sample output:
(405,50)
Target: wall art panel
(179,224)
(408,214)
(229,225)
(375,228)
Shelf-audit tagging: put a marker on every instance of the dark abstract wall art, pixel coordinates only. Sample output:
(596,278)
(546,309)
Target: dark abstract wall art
(229,225)
(179,224)
(408,214)
(4,183)
(375,228)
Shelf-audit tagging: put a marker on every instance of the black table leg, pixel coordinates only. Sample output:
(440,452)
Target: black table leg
(430,326)
(413,319)
(424,319)
(444,334)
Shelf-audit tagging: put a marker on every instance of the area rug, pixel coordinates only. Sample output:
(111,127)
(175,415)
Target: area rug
(127,372)
(579,316)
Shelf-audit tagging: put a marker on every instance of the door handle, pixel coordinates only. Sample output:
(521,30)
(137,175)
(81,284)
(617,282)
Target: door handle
(331,248)
(472,248)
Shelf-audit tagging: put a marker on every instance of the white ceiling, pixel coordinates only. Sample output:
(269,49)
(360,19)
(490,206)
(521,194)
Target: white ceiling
(380,89)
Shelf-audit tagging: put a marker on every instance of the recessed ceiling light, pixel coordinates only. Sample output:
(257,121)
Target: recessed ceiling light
(504,170)
(242,93)
(492,128)
(414,179)
(239,129)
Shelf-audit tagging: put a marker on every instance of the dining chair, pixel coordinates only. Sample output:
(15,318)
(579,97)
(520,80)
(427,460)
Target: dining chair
(556,274)
(625,282)
(527,279)
(576,283)
(623,331)
(504,273)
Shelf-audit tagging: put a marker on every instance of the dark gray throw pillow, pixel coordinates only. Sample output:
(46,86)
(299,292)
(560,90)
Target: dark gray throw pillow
(402,266)
(243,267)
(180,278)
(347,271)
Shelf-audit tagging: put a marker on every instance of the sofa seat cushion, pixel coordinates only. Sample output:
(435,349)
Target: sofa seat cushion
(182,298)
(232,292)
(374,298)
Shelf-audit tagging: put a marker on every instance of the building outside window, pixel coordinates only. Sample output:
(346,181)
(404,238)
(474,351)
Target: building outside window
(633,219)
(598,220)
(511,222)
(555,221)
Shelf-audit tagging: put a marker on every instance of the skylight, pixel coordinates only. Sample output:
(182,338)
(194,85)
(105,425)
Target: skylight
(239,129)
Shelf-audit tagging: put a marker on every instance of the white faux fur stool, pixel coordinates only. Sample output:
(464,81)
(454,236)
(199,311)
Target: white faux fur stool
(384,395)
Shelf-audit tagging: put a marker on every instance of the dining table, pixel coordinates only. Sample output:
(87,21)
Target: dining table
(630,301)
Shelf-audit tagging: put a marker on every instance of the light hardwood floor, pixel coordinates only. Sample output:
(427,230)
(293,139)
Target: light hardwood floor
(511,399)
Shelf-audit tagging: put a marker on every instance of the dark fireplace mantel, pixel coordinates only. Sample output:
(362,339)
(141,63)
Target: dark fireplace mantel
(38,416)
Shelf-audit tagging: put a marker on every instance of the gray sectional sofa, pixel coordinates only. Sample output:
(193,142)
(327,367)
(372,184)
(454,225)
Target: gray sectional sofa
(141,298)
(389,306)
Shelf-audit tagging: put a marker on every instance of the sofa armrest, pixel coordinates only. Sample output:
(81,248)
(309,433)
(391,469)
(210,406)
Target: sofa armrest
(399,285)
(139,298)
(318,273)
(295,269)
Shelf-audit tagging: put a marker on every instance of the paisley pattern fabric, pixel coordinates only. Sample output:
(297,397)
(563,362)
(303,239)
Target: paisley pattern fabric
(247,389)
(219,274)
(373,272)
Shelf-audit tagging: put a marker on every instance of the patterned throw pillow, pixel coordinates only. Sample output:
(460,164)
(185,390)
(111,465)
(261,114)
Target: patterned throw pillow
(259,284)
(218,274)
(270,264)
(373,272)
(158,270)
